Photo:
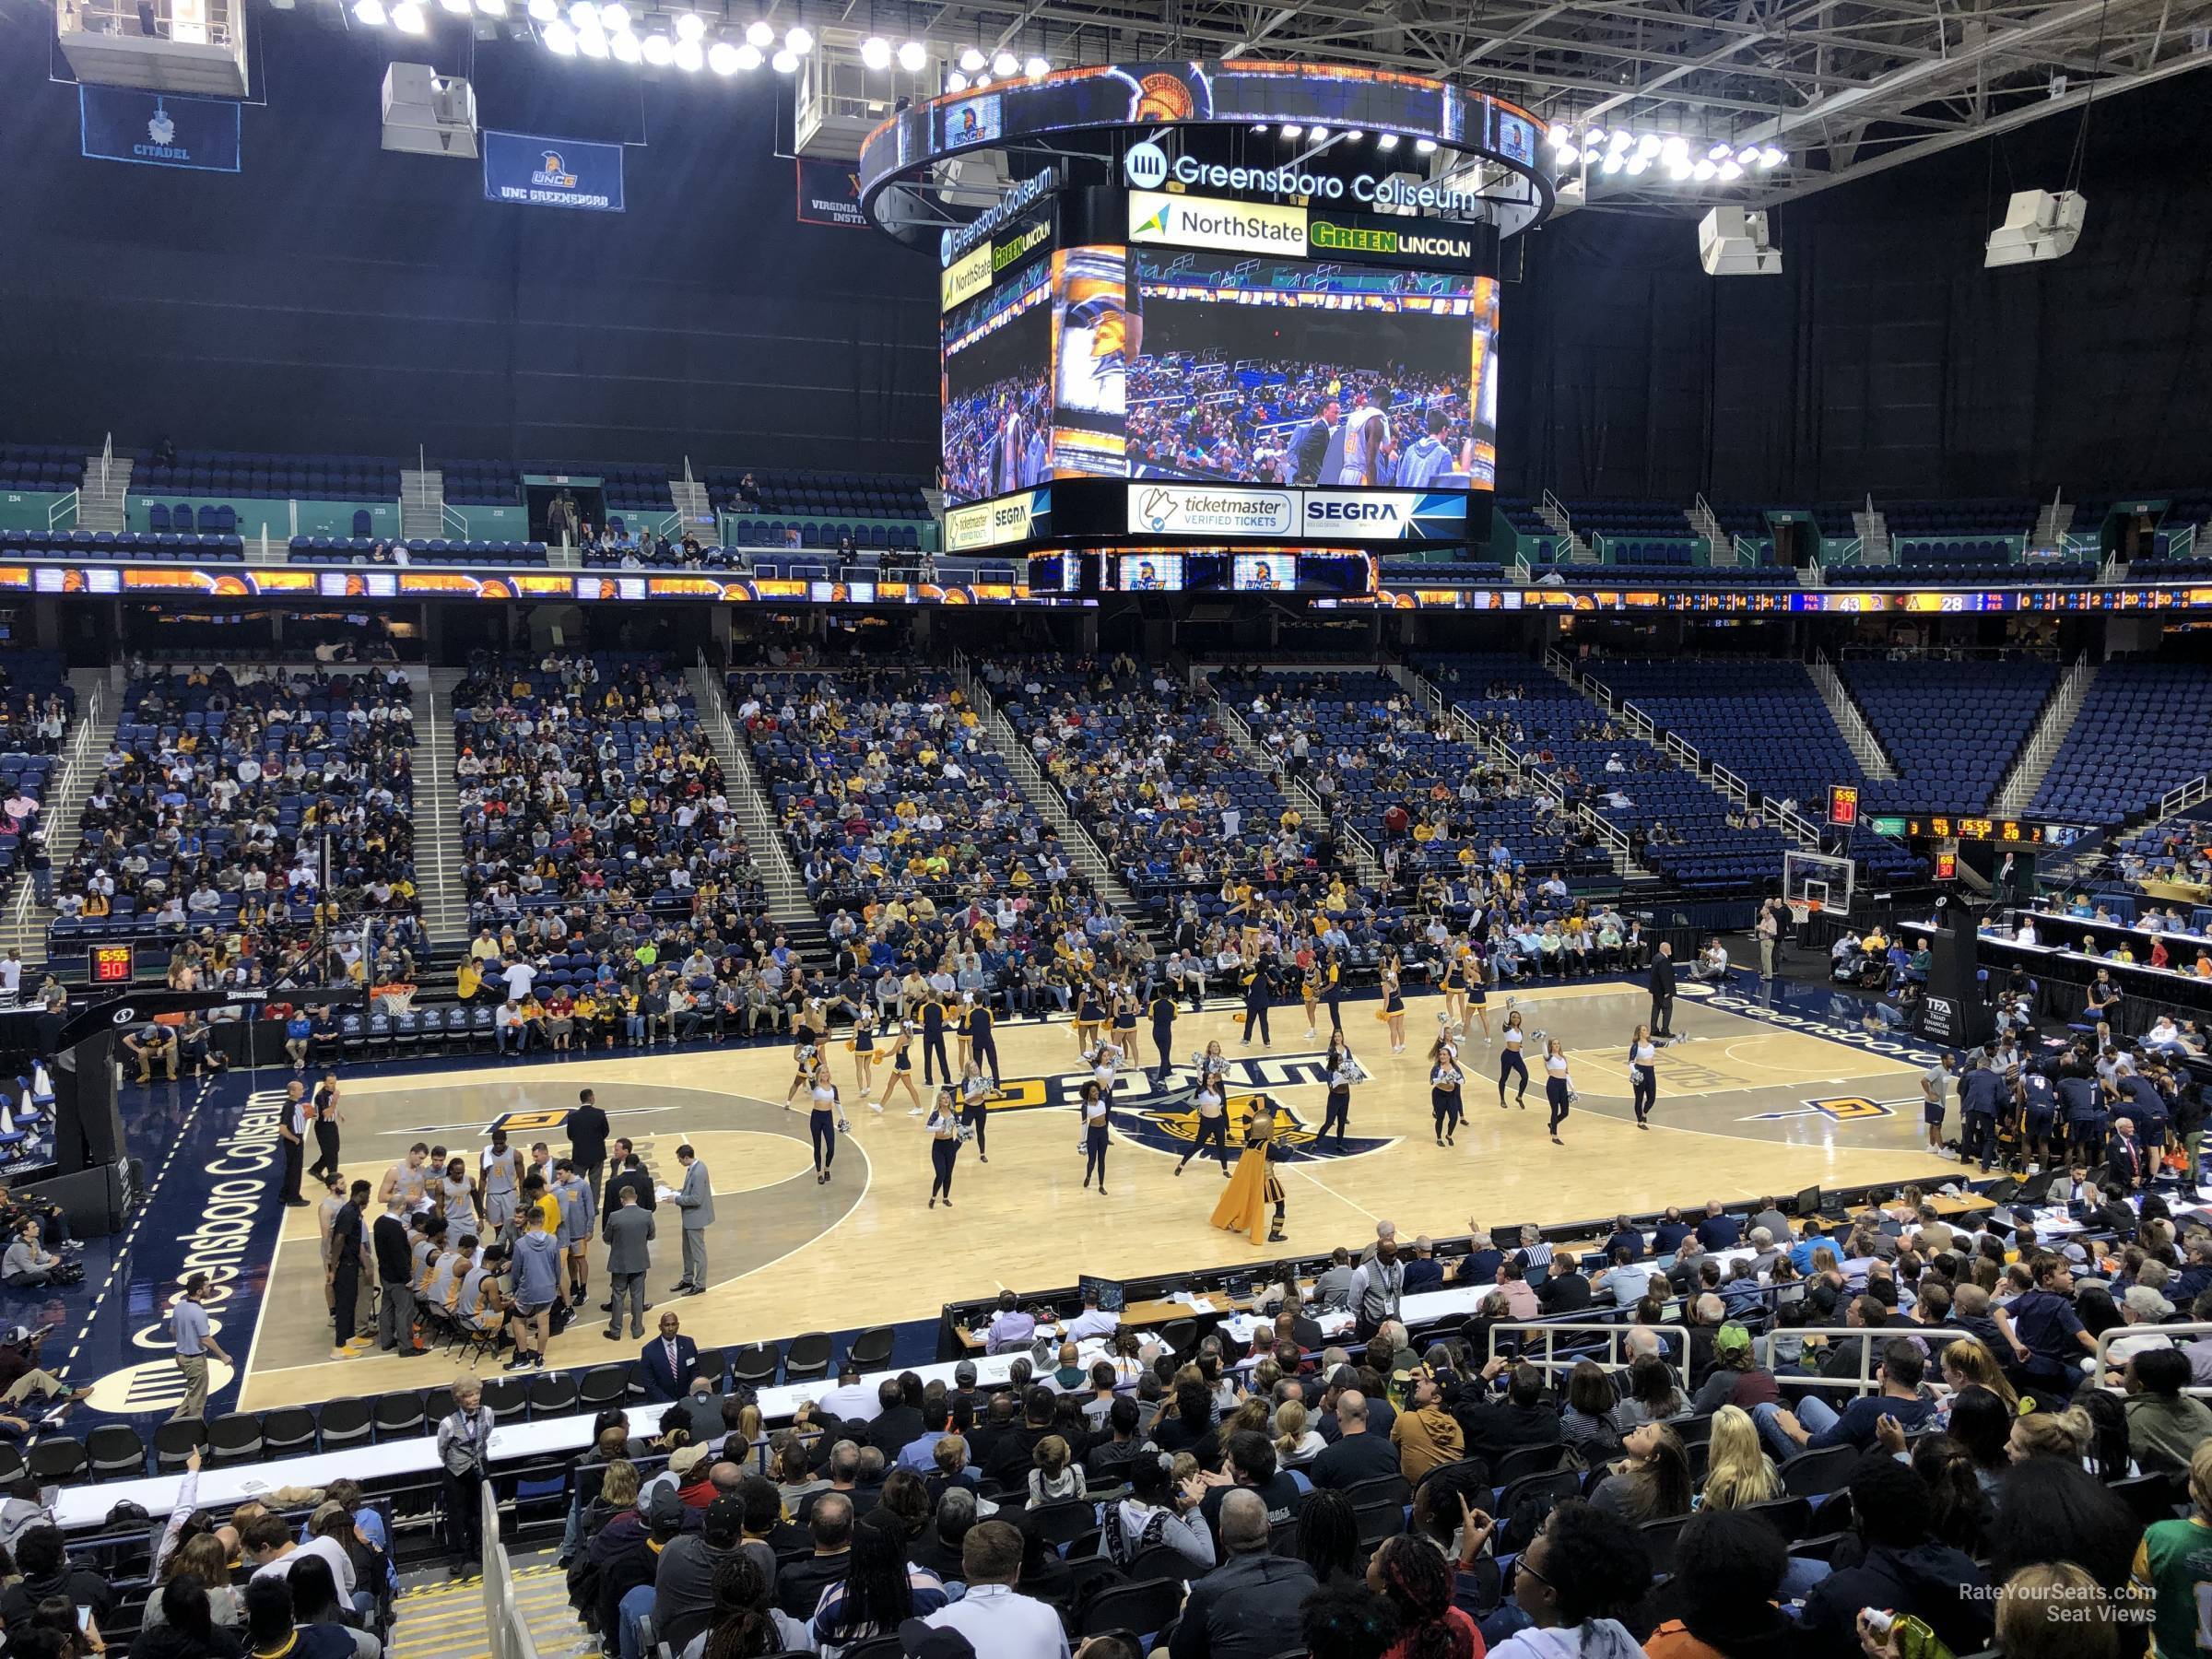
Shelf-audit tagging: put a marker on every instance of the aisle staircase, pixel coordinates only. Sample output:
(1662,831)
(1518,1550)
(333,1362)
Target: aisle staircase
(788,905)
(99,711)
(1083,854)
(1851,719)
(1704,521)
(694,511)
(2052,524)
(443,1619)
(2043,743)
(438,858)
(1356,847)
(1873,531)
(100,499)
(1554,514)
(1532,778)
(421,504)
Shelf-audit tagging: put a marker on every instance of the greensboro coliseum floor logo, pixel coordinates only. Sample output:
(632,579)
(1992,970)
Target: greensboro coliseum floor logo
(1165,1119)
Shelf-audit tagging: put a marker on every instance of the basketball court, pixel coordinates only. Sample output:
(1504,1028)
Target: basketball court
(1764,1092)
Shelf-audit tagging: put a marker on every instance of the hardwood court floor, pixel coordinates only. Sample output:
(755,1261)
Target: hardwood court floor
(1746,1106)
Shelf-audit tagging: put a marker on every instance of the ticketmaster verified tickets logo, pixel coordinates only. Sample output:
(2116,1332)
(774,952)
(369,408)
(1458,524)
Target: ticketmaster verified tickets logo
(1145,164)
(1211,509)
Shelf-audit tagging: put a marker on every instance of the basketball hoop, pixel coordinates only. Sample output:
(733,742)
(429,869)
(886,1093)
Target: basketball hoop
(1800,910)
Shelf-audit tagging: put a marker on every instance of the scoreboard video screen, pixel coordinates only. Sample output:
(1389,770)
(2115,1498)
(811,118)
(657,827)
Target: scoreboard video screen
(1278,372)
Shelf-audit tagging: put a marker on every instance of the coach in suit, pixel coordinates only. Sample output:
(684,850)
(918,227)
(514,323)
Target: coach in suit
(668,1361)
(587,1127)
(628,1172)
(1662,990)
(629,1232)
(696,1199)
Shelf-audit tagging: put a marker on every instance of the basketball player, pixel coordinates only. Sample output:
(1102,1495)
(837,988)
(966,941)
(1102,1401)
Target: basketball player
(1366,434)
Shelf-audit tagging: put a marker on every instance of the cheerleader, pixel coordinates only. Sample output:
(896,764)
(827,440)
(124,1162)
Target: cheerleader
(1342,1071)
(1559,1089)
(944,1128)
(1125,1019)
(1212,1128)
(1096,1117)
(1332,991)
(902,1069)
(1477,972)
(863,1053)
(1510,1060)
(975,1105)
(1308,992)
(822,1122)
(1090,1016)
(1393,1006)
(1443,1088)
(963,1031)
(1213,1066)
(1455,986)
(1643,1074)
(802,1056)
(1105,1063)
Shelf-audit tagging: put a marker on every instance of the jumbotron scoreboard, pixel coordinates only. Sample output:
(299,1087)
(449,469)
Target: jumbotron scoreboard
(1237,330)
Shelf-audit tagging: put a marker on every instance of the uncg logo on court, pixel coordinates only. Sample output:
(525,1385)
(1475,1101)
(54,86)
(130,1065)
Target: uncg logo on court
(1166,1119)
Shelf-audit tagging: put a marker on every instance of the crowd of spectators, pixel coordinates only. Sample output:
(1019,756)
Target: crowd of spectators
(242,813)
(1688,1492)
(995,436)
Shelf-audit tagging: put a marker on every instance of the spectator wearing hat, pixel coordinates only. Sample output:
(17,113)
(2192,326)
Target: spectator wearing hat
(683,1584)
(1425,1434)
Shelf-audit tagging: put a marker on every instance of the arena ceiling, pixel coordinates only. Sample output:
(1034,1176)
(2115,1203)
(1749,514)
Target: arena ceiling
(1848,87)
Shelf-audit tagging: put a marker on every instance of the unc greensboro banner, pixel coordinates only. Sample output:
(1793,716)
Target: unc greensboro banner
(830,193)
(552,172)
(157,129)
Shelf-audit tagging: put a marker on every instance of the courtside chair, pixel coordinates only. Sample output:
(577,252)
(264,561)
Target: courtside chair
(116,1452)
(755,1366)
(174,1442)
(871,1348)
(288,1431)
(807,1358)
(234,1439)
(398,1416)
(345,1422)
(57,1458)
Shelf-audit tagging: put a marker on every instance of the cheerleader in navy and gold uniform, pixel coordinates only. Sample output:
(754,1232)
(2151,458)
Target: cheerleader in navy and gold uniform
(1090,1016)
(1393,1006)
(863,1053)
(902,1069)
(804,1056)
(1332,991)
(1163,1026)
(1308,992)
(1124,1022)
(975,1107)
(1444,1079)
(1342,1072)
(1477,974)
(1454,987)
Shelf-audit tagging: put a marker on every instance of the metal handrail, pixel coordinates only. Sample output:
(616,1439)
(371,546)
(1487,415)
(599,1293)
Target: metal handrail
(1675,1352)
(1865,1383)
(757,814)
(2120,1332)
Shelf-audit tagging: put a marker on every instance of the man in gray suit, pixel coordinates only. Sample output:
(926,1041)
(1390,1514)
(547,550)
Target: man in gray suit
(628,1230)
(696,1199)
